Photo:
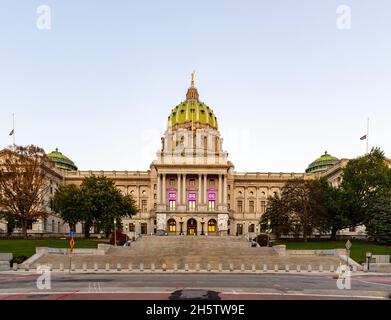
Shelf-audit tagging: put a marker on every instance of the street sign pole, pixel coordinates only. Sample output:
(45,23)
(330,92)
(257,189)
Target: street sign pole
(348,245)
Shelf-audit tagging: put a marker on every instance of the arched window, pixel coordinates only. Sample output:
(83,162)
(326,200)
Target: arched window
(251,228)
(212,225)
(171,225)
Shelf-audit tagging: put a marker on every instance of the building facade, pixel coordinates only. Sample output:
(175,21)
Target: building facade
(191,188)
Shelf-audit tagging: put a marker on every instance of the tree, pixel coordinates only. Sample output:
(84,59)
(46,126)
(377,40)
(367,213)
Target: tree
(364,180)
(278,217)
(378,224)
(102,202)
(300,210)
(337,217)
(23,184)
(67,202)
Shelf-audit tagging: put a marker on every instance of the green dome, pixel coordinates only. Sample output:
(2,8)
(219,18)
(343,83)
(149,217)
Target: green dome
(61,161)
(322,164)
(192,111)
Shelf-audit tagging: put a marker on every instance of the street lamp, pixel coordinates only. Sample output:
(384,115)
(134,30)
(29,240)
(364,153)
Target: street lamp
(115,232)
(369,256)
(268,232)
(126,233)
(348,245)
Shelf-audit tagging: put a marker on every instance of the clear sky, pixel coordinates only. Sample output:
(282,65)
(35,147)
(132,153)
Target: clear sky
(284,82)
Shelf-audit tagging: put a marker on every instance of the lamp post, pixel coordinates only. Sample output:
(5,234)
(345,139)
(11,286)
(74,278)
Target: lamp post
(115,232)
(268,232)
(6,228)
(348,245)
(369,256)
(126,233)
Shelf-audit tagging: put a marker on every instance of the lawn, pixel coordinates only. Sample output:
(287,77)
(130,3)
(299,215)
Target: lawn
(357,251)
(27,247)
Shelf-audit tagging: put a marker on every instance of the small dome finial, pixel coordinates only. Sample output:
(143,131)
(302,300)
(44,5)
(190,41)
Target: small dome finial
(56,149)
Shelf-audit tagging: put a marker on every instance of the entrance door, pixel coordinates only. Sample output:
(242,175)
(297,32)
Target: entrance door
(191,227)
(239,231)
(144,228)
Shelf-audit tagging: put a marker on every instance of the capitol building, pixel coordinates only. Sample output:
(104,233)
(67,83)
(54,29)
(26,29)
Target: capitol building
(191,187)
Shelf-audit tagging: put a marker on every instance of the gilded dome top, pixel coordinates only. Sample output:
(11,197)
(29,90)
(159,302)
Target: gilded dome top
(192,111)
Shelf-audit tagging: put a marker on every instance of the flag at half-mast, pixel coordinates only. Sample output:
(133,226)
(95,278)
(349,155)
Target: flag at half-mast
(12,132)
(363,137)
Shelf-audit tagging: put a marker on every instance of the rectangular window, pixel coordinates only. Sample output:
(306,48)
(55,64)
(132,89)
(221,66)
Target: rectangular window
(192,205)
(144,228)
(211,205)
(240,206)
(192,196)
(263,206)
(192,182)
(251,206)
(172,182)
(131,227)
(211,182)
(172,205)
(143,205)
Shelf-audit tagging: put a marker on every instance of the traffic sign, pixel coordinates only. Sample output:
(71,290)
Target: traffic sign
(72,234)
(348,245)
(72,244)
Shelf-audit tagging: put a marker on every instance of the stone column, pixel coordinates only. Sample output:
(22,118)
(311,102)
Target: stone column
(220,193)
(184,190)
(199,199)
(205,191)
(164,189)
(179,198)
(159,190)
(139,196)
(225,189)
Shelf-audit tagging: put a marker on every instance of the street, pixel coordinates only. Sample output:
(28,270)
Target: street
(161,286)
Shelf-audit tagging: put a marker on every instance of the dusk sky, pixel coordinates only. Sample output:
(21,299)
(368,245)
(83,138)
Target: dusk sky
(284,81)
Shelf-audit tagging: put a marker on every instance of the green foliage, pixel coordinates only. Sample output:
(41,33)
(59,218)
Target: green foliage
(103,202)
(335,208)
(96,202)
(364,180)
(67,202)
(379,222)
(300,210)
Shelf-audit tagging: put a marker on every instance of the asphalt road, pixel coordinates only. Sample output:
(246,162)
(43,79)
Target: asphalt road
(161,286)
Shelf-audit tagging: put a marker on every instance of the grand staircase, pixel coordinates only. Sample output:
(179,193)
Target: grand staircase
(193,251)
(189,250)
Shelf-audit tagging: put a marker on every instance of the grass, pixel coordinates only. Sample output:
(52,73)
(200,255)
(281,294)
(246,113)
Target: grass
(27,247)
(357,251)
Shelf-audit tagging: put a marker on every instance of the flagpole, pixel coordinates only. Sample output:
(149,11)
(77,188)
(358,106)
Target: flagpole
(13,128)
(367,134)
